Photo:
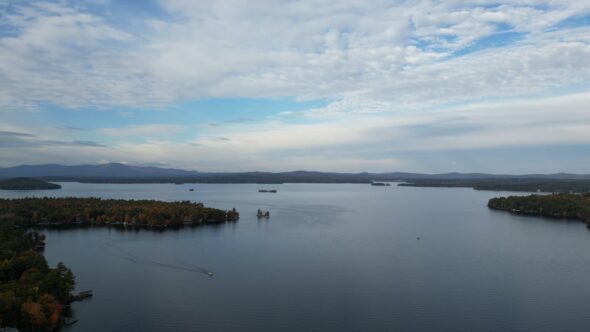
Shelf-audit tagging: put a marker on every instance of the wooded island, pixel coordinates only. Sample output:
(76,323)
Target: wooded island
(27,184)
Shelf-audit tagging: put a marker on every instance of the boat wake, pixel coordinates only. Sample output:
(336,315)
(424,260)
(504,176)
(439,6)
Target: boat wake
(113,250)
(193,268)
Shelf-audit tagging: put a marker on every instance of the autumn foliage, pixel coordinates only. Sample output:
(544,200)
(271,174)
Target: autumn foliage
(96,211)
(31,293)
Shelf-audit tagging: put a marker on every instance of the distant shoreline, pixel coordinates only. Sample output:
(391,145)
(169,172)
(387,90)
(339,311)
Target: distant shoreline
(518,185)
(123,173)
(493,184)
(116,173)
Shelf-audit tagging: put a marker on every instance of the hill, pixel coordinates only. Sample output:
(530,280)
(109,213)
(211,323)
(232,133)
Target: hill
(111,170)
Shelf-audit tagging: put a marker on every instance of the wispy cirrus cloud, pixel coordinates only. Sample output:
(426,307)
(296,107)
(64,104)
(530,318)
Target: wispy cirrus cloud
(71,128)
(144,131)
(10,139)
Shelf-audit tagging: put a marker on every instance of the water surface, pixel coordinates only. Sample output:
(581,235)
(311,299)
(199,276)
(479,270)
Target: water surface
(332,257)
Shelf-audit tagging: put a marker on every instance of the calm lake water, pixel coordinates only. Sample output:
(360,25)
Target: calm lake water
(332,257)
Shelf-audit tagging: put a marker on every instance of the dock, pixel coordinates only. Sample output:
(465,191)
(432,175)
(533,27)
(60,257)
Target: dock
(69,321)
(81,296)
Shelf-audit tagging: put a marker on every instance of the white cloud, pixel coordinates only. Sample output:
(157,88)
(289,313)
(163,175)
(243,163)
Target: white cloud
(387,70)
(364,52)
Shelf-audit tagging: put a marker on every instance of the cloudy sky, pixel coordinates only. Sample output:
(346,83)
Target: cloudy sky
(426,86)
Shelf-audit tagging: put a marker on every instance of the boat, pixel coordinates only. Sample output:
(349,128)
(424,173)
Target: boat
(262,214)
(192,189)
(274,191)
(210,274)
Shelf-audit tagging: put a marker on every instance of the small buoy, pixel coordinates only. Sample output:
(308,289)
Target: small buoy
(418,238)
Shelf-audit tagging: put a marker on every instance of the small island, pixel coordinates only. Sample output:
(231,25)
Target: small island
(76,212)
(27,184)
(563,206)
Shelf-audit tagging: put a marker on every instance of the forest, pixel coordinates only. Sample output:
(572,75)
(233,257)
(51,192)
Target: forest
(32,295)
(62,212)
(565,206)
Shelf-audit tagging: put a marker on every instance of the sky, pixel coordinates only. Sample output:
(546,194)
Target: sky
(280,85)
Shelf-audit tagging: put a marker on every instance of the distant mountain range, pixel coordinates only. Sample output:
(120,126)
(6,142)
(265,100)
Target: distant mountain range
(112,170)
(121,173)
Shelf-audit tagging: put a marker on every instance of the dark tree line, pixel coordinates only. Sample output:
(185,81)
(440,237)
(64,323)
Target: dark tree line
(567,206)
(31,293)
(513,184)
(76,211)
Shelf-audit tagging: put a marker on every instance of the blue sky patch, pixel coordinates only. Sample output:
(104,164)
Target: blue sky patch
(199,112)
(492,41)
(574,22)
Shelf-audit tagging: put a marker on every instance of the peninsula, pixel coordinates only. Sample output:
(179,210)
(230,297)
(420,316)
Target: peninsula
(562,206)
(64,212)
(32,295)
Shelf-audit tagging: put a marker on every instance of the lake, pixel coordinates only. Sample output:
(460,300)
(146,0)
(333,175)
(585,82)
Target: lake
(332,257)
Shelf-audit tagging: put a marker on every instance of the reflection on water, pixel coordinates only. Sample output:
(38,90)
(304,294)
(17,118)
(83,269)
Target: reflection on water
(331,257)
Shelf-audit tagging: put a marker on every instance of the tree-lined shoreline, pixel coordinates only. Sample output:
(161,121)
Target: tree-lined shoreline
(558,206)
(72,212)
(32,295)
